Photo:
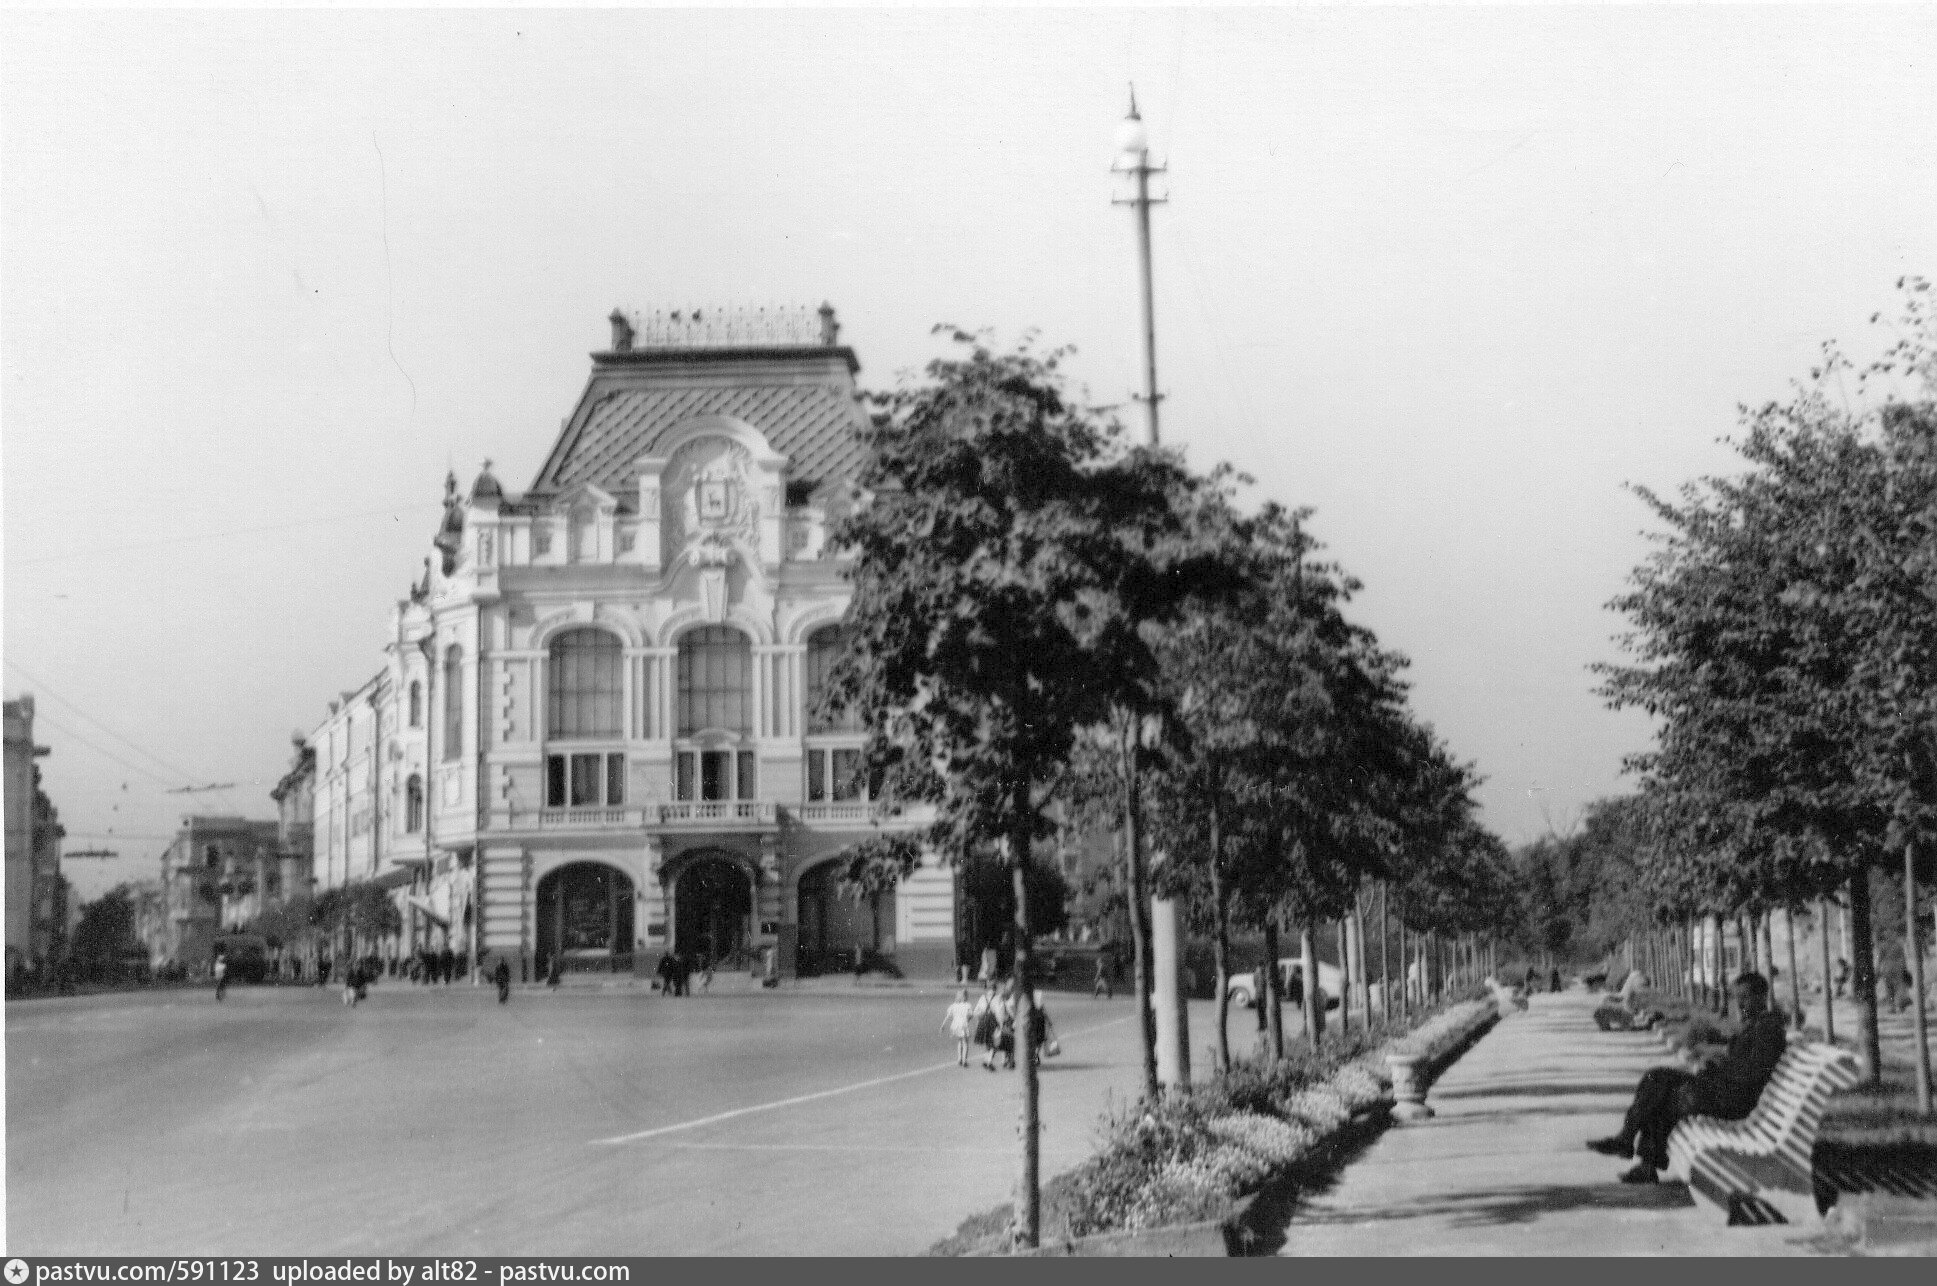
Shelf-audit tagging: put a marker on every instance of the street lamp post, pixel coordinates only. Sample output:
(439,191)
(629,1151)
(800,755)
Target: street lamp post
(1173,1024)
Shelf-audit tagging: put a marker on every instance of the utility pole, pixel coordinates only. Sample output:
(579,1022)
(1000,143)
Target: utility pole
(1166,938)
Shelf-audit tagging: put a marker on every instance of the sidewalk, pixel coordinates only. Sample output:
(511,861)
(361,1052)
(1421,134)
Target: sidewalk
(1503,1170)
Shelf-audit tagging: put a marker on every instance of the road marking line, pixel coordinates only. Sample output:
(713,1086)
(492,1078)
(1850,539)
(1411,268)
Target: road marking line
(809,1098)
(826,1147)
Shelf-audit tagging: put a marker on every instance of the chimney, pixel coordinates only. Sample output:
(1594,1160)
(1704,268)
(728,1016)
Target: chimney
(621,332)
(830,329)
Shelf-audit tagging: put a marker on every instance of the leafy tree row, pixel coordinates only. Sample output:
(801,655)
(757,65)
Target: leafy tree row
(1052,627)
(1784,637)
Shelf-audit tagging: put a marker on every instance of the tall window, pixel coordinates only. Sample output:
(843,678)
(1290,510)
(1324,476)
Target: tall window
(823,647)
(585,781)
(584,686)
(414,804)
(715,681)
(835,776)
(453,702)
(416,704)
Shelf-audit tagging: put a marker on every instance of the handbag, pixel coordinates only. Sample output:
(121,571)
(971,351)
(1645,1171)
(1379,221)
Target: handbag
(1053,1048)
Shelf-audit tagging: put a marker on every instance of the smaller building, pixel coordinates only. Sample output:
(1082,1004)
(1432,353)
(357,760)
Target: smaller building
(36,893)
(215,878)
(295,797)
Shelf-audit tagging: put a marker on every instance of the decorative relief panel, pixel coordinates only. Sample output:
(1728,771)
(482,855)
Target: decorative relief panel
(713,508)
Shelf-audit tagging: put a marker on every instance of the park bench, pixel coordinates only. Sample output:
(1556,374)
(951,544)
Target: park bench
(1761,1169)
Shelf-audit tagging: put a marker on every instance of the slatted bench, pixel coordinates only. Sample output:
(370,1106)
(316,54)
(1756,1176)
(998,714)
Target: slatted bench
(1760,1169)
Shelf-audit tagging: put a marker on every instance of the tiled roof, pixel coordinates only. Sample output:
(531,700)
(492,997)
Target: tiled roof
(813,425)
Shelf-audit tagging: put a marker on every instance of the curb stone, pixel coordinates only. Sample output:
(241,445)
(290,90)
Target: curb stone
(1258,1215)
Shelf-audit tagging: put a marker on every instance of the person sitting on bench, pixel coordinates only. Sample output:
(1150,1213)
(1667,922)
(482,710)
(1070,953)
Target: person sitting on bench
(1727,1088)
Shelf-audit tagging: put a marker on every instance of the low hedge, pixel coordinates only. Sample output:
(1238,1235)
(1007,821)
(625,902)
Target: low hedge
(1191,1157)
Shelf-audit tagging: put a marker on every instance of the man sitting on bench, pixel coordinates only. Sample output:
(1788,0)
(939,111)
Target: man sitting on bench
(1727,1088)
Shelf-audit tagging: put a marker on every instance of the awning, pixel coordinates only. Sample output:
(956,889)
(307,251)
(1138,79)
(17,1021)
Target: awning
(394,878)
(424,906)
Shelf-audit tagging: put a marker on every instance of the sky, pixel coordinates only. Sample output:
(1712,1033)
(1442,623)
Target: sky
(1454,277)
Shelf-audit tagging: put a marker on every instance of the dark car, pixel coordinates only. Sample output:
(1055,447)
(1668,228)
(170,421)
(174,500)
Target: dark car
(247,954)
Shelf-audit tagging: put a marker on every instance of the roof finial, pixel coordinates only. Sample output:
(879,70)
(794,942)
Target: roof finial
(1133,102)
(830,329)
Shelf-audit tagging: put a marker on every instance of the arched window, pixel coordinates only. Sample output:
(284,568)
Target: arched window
(715,697)
(453,702)
(715,681)
(414,804)
(416,704)
(823,647)
(584,685)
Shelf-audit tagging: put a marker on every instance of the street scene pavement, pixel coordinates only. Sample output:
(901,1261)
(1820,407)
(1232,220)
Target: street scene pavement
(435,1121)
(1502,1168)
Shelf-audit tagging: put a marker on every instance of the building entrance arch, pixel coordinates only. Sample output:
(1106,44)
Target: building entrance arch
(713,910)
(833,922)
(584,913)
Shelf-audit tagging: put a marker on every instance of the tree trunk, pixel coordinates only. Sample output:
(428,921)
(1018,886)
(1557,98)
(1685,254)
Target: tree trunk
(1028,1225)
(1221,941)
(1275,1020)
(1795,975)
(1769,944)
(1360,964)
(1405,972)
(1385,956)
(1829,982)
(1913,948)
(1345,980)
(1314,1008)
(1139,912)
(1869,1047)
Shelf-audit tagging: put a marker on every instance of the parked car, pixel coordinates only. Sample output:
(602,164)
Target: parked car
(248,955)
(1244,987)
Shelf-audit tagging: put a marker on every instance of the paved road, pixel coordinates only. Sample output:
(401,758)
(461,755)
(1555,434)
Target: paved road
(434,1121)
(1503,1168)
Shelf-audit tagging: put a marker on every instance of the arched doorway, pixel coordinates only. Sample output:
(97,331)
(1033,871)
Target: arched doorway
(584,914)
(833,922)
(713,911)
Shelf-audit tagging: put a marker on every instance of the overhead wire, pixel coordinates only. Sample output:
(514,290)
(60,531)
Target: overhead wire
(41,685)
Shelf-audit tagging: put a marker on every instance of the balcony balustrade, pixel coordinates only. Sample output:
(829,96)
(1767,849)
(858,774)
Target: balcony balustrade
(695,814)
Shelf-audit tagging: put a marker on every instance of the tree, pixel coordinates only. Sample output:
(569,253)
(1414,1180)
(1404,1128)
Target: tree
(105,934)
(1005,531)
(361,911)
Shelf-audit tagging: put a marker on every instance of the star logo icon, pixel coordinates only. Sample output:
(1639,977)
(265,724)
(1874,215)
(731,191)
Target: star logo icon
(16,1271)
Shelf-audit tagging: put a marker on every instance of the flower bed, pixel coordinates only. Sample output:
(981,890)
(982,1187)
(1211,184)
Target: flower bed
(1193,1159)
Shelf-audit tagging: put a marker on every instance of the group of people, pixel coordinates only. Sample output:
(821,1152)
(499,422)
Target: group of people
(990,1021)
(676,974)
(427,966)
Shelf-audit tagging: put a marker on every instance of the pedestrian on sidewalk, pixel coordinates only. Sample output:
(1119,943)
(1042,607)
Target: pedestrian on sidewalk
(1008,1004)
(1042,1032)
(988,1022)
(502,976)
(1105,984)
(1726,1089)
(221,974)
(958,1023)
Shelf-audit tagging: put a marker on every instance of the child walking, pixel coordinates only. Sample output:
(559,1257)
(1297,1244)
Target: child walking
(956,1023)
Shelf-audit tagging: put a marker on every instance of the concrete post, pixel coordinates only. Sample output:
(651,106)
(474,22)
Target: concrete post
(1167,995)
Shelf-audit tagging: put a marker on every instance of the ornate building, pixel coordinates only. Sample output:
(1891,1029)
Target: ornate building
(595,739)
